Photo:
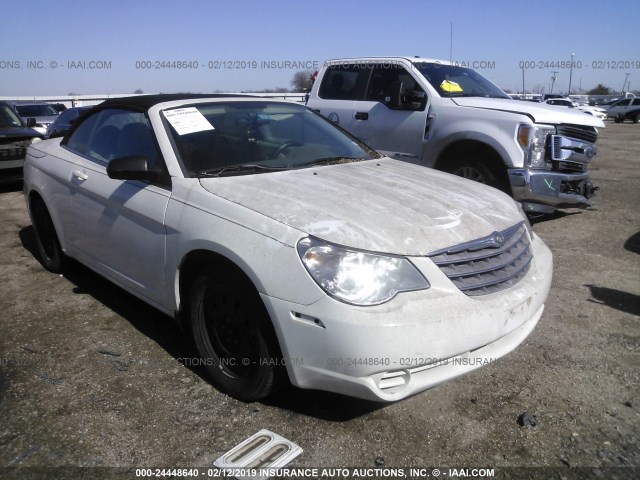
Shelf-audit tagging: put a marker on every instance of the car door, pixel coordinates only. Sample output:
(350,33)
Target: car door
(396,132)
(341,85)
(118,226)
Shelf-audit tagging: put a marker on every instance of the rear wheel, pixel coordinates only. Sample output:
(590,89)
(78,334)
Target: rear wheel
(636,119)
(233,335)
(51,254)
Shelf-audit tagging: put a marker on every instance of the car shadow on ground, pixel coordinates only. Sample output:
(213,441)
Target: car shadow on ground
(10,186)
(633,243)
(165,332)
(623,301)
(545,217)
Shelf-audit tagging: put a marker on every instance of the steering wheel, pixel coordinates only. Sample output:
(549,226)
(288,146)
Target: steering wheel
(283,147)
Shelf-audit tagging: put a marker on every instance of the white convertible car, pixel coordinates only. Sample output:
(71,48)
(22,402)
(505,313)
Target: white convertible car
(285,247)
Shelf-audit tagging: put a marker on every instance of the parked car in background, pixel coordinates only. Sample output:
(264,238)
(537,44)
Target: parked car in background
(566,102)
(59,107)
(625,109)
(15,137)
(287,247)
(43,113)
(64,121)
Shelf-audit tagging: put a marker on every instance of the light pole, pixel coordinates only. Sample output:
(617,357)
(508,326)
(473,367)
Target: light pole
(571,72)
(625,82)
(553,81)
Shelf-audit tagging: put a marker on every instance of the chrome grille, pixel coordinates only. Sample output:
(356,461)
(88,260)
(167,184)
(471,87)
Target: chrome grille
(573,167)
(12,153)
(579,132)
(486,265)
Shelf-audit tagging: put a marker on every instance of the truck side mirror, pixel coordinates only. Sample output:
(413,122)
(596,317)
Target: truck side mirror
(393,96)
(415,100)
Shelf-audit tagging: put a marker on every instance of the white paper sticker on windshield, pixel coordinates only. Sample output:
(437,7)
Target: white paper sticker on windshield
(187,120)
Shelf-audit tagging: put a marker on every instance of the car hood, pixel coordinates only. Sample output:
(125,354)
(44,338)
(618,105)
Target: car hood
(10,132)
(540,113)
(378,205)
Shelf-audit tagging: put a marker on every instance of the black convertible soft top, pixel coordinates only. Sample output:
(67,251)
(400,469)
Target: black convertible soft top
(145,102)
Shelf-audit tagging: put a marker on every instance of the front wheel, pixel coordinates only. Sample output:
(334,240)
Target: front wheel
(233,335)
(479,171)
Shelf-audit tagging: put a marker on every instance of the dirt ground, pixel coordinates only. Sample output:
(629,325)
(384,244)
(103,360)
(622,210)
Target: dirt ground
(91,377)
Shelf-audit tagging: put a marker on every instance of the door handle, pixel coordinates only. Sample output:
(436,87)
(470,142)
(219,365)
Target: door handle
(362,116)
(78,176)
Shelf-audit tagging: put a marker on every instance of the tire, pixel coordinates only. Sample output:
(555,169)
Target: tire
(51,255)
(618,119)
(636,118)
(233,335)
(479,171)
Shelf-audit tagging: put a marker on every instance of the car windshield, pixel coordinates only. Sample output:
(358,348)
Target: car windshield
(245,137)
(8,117)
(455,81)
(43,110)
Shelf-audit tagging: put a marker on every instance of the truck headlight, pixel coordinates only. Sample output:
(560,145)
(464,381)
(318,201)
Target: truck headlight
(356,277)
(533,141)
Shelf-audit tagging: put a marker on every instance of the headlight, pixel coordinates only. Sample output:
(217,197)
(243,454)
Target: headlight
(357,277)
(533,141)
(35,140)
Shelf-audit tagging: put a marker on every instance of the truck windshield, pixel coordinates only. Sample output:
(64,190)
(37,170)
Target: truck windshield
(455,81)
(246,137)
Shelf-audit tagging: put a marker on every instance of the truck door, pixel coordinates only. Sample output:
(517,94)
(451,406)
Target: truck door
(341,85)
(395,131)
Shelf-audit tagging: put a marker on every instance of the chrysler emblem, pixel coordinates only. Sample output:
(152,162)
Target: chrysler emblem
(497,240)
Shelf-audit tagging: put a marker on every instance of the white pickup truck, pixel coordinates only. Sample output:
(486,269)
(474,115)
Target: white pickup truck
(453,119)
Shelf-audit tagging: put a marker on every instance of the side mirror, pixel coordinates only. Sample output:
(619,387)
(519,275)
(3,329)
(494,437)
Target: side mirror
(134,167)
(415,100)
(393,97)
(31,122)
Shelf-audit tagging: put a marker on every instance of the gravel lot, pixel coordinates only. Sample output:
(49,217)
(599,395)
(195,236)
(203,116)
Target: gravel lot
(92,377)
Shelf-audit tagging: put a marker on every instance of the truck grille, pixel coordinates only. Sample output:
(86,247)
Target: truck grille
(570,167)
(579,132)
(12,153)
(489,264)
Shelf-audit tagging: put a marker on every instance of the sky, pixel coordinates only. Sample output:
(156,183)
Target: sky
(97,47)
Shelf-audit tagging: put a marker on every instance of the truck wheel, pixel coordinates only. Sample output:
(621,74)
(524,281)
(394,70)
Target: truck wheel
(233,335)
(479,171)
(51,255)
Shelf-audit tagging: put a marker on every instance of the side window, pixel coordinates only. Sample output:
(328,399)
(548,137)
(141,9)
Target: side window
(79,140)
(636,102)
(344,82)
(383,78)
(387,76)
(114,133)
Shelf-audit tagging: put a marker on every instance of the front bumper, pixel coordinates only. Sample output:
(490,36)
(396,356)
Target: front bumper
(544,190)
(412,343)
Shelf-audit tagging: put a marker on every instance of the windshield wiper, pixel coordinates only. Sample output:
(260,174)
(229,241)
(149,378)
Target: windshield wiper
(329,161)
(244,169)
